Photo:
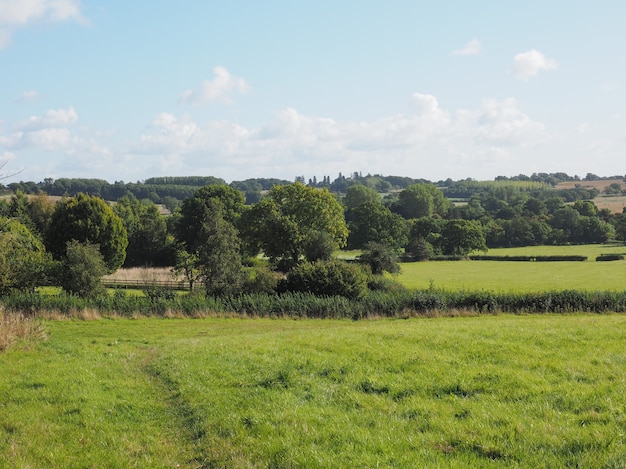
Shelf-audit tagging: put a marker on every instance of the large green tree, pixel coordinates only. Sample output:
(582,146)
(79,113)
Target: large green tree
(373,222)
(460,237)
(292,217)
(89,220)
(357,195)
(197,209)
(148,241)
(24,263)
(215,259)
(421,200)
(219,254)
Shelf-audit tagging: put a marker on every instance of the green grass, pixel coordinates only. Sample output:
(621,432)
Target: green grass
(493,391)
(522,277)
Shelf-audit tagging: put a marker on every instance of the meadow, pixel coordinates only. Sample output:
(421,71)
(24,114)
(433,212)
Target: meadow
(522,277)
(488,391)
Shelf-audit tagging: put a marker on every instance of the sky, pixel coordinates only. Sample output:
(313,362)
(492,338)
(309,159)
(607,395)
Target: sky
(239,89)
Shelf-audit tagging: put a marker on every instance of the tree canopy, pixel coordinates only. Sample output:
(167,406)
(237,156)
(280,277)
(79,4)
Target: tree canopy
(290,218)
(90,220)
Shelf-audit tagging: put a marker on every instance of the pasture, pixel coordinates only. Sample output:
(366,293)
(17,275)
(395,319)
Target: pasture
(491,391)
(523,277)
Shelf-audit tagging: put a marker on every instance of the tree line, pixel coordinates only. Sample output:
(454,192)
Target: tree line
(215,237)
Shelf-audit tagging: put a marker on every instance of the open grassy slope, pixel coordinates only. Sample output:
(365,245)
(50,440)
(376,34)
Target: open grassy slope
(503,391)
(523,276)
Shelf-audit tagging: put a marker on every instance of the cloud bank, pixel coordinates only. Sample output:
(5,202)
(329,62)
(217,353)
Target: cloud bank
(18,14)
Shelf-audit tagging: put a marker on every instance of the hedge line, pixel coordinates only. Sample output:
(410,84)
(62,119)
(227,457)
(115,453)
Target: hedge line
(529,258)
(306,305)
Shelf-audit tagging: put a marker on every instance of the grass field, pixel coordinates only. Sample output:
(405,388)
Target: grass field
(492,391)
(501,276)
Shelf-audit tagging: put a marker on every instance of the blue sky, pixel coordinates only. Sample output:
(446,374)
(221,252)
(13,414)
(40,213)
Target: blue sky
(124,90)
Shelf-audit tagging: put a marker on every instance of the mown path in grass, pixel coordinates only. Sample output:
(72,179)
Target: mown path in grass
(490,391)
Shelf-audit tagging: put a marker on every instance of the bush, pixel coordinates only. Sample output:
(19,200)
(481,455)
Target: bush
(384,284)
(327,278)
(610,257)
(261,280)
(379,258)
(81,270)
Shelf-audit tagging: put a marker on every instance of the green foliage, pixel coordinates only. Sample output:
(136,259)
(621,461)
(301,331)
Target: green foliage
(460,237)
(148,241)
(379,258)
(289,219)
(81,270)
(261,279)
(327,278)
(89,220)
(199,208)
(421,200)
(218,253)
(24,264)
(373,222)
(359,194)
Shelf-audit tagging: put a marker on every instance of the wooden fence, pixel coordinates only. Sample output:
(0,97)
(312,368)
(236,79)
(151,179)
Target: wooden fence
(143,284)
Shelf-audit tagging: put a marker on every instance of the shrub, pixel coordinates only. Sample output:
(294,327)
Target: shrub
(379,258)
(610,257)
(261,280)
(82,269)
(327,278)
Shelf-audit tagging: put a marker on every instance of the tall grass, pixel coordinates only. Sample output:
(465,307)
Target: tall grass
(15,328)
(402,303)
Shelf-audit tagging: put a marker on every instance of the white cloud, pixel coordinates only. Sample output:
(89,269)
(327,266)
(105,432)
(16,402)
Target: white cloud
(529,64)
(217,89)
(471,48)
(27,96)
(16,14)
(52,118)
(428,140)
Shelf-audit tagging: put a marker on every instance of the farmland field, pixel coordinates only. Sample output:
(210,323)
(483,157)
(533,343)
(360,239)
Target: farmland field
(499,276)
(492,391)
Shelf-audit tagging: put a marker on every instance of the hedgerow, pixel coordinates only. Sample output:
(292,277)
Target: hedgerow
(400,303)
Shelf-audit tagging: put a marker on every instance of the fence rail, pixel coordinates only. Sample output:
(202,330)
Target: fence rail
(139,284)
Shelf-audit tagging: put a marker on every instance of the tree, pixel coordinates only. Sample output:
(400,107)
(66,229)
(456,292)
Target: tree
(566,220)
(213,255)
(421,200)
(373,222)
(219,254)
(283,224)
(593,230)
(197,209)
(425,237)
(88,220)
(148,242)
(460,237)
(24,263)
(40,210)
(82,269)
(359,194)
(380,258)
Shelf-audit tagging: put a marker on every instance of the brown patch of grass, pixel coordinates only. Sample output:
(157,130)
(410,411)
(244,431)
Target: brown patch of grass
(144,274)
(600,184)
(15,328)
(615,204)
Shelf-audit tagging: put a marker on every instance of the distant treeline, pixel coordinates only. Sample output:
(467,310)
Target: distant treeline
(160,189)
